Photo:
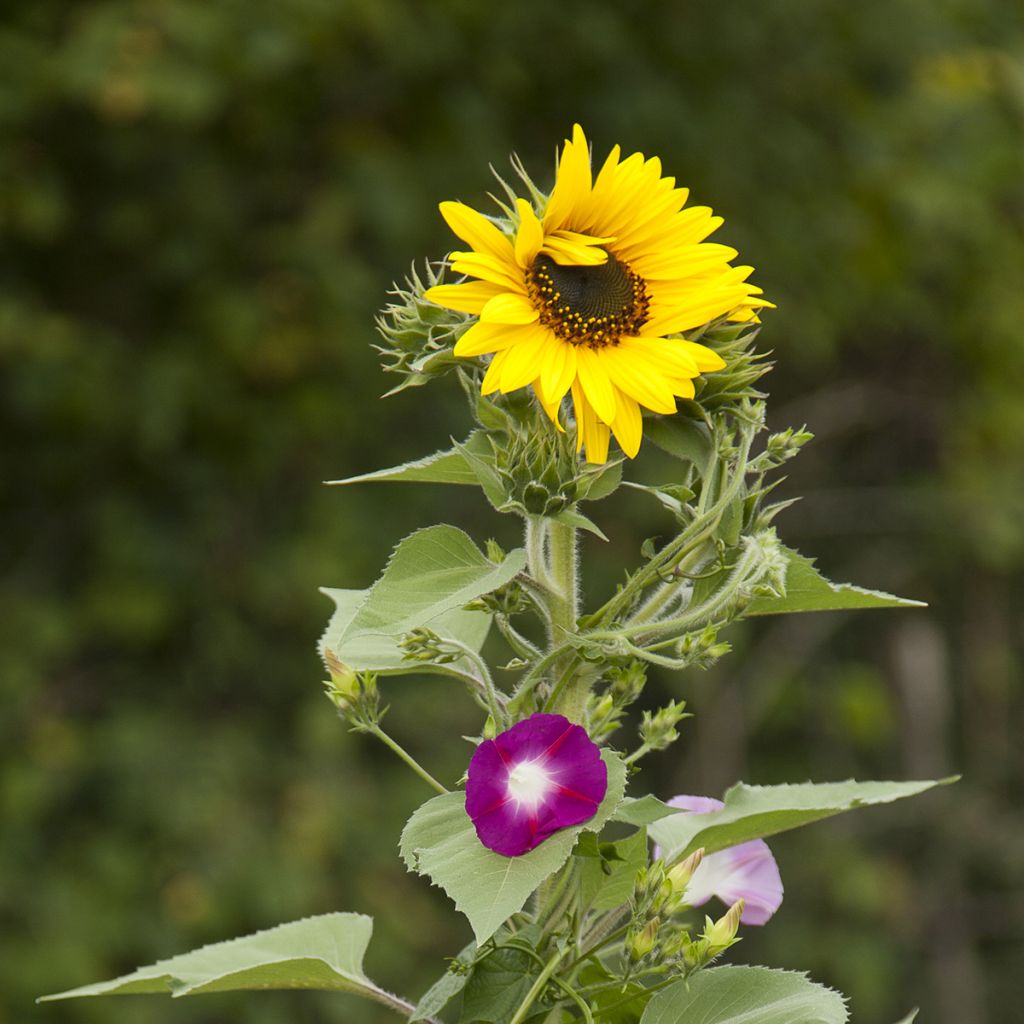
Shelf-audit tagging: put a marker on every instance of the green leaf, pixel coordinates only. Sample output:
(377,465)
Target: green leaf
(439,841)
(446,988)
(376,652)
(570,517)
(680,436)
(597,482)
(607,881)
(431,572)
(910,1017)
(482,467)
(753,812)
(323,953)
(808,591)
(497,986)
(643,811)
(745,995)
(447,467)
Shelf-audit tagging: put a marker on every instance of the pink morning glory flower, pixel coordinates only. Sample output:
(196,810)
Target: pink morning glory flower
(747,871)
(542,775)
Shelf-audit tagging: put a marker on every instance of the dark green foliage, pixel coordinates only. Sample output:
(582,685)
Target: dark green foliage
(202,206)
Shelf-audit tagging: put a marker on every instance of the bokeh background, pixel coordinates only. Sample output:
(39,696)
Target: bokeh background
(203,205)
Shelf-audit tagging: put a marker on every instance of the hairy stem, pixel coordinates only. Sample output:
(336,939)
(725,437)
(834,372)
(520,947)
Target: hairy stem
(537,987)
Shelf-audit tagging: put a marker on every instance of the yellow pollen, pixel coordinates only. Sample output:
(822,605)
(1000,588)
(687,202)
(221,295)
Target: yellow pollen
(588,305)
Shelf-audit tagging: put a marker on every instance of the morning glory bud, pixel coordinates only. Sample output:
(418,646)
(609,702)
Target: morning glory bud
(720,934)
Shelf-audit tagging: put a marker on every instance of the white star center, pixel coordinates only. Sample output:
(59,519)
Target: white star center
(529,783)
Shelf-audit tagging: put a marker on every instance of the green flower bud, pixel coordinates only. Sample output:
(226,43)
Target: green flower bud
(680,874)
(720,934)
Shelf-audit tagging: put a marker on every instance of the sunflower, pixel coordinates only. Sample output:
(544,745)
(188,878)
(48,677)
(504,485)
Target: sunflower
(591,291)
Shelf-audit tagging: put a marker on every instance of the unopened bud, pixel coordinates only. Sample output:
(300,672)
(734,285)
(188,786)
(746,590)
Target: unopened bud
(643,942)
(680,874)
(343,686)
(490,729)
(720,934)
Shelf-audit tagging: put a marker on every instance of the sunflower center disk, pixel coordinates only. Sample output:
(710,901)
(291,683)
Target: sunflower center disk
(592,306)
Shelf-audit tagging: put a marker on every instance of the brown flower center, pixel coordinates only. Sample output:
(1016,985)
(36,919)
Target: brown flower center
(592,306)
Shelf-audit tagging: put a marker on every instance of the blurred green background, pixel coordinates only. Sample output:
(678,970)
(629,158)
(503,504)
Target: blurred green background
(202,206)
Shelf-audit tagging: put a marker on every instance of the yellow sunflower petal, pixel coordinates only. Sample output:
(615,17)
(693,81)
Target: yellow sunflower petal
(492,378)
(557,371)
(572,181)
(667,355)
(591,433)
(571,249)
(466,298)
(552,409)
(639,378)
(686,261)
(482,339)
(488,269)
(705,358)
(508,308)
(595,383)
(477,230)
(530,236)
(628,426)
(522,364)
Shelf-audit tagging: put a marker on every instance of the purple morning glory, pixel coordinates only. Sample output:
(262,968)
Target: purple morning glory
(747,871)
(542,775)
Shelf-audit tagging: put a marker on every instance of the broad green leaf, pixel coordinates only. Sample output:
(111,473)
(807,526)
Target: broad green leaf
(439,841)
(481,465)
(608,882)
(324,952)
(376,652)
(431,572)
(808,591)
(447,987)
(753,812)
(447,467)
(686,439)
(498,985)
(745,995)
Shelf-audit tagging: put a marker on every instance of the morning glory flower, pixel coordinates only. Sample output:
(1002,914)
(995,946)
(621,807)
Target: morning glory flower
(747,871)
(542,775)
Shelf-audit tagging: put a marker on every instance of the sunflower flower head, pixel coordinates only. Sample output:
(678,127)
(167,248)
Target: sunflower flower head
(590,291)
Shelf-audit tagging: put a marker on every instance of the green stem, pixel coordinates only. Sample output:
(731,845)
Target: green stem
(536,560)
(537,987)
(494,703)
(572,700)
(397,1003)
(407,758)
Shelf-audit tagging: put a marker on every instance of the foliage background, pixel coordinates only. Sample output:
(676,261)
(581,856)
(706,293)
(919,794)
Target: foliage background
(202,206)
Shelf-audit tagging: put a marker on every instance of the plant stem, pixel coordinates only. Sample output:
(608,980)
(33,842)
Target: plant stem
(537,987)
(407,758)
(396,1003)
(572,700)
(495,705)
(536,559)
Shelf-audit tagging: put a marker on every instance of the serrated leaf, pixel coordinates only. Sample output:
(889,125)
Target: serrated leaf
(754,812)
(375,652)
(745,995)
(445,467)
(324,953)
(439,841)
(430,573)
(808,591)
